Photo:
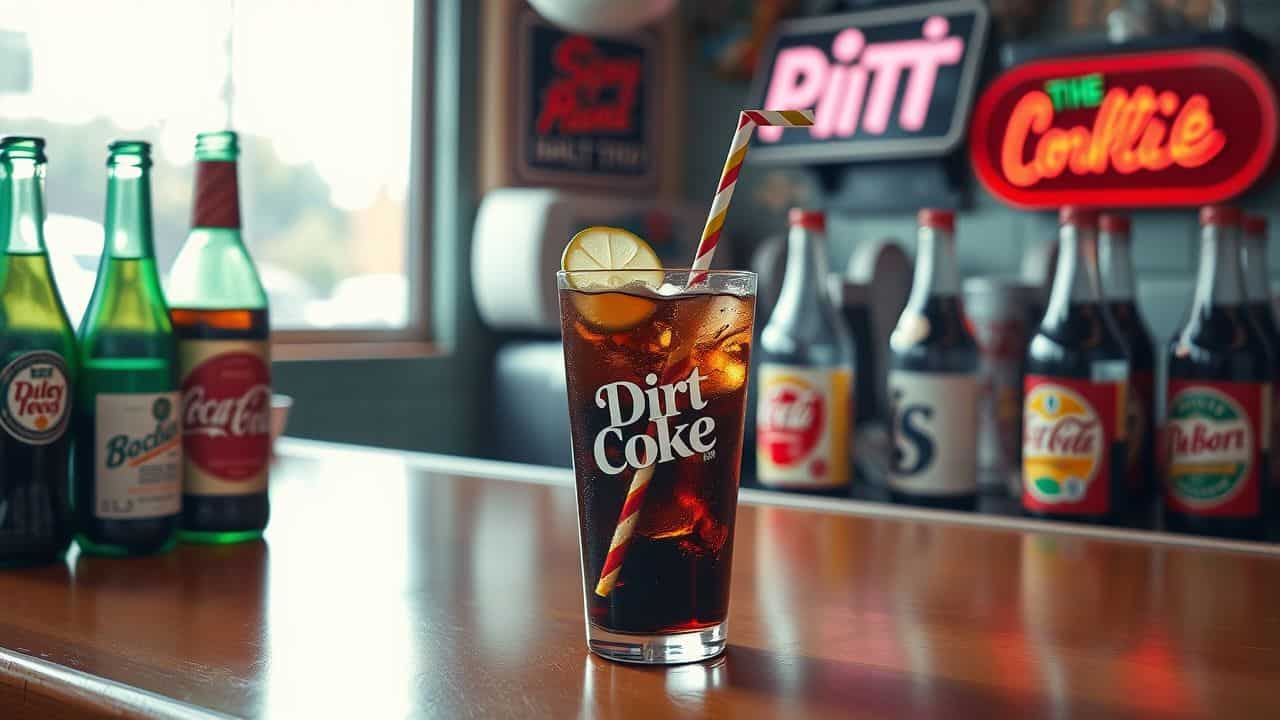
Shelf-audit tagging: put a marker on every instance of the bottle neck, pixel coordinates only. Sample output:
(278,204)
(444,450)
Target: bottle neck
(1257,285)
(128,221)
(24,221)
(1075,280)
(1115,266)
(217,199)
(805,277)
(1219,280)
(935,273)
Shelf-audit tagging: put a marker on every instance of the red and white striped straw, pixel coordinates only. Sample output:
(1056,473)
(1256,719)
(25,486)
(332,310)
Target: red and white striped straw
(748,121)
(626,527)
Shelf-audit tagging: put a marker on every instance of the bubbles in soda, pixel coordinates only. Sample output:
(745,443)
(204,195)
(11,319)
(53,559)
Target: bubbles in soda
(683,366)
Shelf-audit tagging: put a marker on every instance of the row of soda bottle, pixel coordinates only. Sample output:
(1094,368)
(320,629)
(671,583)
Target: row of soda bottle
(153,419)
(1092,450)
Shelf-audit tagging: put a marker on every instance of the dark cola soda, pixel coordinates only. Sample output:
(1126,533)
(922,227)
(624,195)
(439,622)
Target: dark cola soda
(1075,409)
(1216,464)
(656,386)
(933,380)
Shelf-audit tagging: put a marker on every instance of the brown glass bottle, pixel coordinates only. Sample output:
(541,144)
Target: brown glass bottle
(1074,404)
(1115,265)
(1216,468)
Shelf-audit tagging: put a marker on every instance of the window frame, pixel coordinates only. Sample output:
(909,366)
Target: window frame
(414,339)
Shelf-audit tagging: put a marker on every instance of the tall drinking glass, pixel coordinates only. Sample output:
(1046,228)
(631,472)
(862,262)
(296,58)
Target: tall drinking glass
(657,382)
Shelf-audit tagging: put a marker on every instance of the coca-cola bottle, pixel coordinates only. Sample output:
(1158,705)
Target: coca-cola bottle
(933,380)
(1218,398)
(1115,263)
(219,312)
(38,370)
(804,417)
(1074,406)
(1257,287)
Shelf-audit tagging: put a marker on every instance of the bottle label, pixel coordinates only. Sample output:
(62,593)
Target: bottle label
(37,397)
(1216,434)
(1069,428)
(1137,424)
(934,423)
(226,416)
(803,426)
(139,455)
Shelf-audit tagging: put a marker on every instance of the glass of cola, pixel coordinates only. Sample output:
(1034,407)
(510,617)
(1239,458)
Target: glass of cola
(657,385)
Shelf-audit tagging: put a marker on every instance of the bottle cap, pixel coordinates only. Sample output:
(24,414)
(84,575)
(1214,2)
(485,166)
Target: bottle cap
(1222,215)
(1078,216)
(935,218)
(809,219)
(1255,224)
(1114,223)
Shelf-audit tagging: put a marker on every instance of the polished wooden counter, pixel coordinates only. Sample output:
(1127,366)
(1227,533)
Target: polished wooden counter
(394,585)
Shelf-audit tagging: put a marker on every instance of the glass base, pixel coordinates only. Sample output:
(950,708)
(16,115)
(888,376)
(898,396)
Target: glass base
(685,647)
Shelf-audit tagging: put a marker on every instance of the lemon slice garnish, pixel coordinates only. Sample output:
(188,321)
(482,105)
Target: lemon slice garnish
(600,259)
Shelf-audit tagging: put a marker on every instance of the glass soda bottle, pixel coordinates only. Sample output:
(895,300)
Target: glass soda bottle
(1115,264)
(933,380)
(128,451)
(219,312)
(37,370)
(803,422)
(1218,398)
(1074,407)
(1257,288)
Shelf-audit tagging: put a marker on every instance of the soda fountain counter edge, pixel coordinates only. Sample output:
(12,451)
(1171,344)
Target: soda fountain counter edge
(804,417)
(1257,286)
(128,449)
(933,381)
(1219,394)
(1074,406)
(219,312)
(1115,265)
(37,370)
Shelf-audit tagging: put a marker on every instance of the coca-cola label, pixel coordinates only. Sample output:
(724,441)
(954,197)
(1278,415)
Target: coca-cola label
(37,397)
(934,425)
(226,416)
(1214,439)
(653,423)
(1069,428)
(803,425)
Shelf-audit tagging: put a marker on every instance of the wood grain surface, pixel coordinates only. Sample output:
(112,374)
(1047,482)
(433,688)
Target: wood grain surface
(389,587)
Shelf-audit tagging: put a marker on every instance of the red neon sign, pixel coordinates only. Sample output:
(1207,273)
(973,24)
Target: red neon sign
(1159,129)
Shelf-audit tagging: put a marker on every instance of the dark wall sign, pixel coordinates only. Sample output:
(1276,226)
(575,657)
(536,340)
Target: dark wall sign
(884,84)
(1156,129)
(585,108)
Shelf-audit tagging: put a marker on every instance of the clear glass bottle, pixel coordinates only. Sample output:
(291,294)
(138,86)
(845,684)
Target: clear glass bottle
(933,380)
(804,413)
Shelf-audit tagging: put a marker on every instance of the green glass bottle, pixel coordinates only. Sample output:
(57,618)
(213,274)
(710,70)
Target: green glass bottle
(219,312)
(128,450)
(37,370)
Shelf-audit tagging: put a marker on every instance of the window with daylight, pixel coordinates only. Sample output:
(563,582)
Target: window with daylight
(324,96)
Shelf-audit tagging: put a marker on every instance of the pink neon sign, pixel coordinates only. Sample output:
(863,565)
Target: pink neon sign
(883,83)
